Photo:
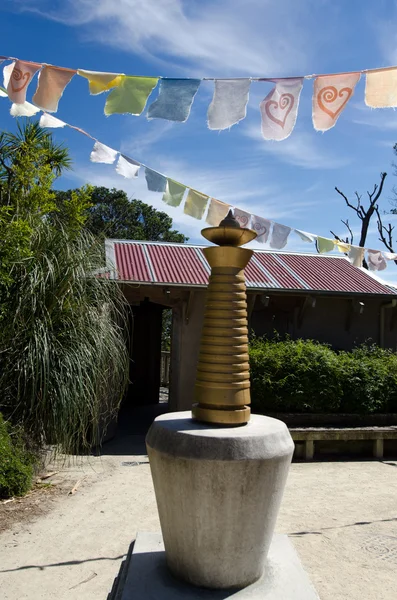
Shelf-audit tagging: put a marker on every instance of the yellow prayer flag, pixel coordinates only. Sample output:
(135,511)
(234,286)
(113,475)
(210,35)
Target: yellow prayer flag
(100,82)
(195,204)
(217,211)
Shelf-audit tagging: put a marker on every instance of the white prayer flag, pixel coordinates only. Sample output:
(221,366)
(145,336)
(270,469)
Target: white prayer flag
(279,236)
(229,103)
(47,120)
(103,154)
(127,167)
(305,236)
(8,69)
(23,110)
(356,256)
(280,108)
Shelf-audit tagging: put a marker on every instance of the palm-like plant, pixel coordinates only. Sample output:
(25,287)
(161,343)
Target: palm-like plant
(32,152)
(63,357)
(63,360)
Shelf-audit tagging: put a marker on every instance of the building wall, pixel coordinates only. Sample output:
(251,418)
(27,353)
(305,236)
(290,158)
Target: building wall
(341,322)
(186,331)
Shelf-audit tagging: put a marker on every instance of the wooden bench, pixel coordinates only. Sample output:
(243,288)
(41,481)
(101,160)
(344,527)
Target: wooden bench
(310,435)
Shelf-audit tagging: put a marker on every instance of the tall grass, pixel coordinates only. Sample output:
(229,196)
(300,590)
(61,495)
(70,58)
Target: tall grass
(63,356)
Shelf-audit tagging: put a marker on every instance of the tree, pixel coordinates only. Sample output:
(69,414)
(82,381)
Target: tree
(63,357)
(365,214)
(113,215)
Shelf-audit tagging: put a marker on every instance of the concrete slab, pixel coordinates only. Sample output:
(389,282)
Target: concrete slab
(148,578)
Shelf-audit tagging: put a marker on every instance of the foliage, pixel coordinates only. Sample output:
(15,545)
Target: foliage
(113,215)
(16,468)
(29,163)
(369,380)
(294,376)
(63,360)
(166,330)
(306,376)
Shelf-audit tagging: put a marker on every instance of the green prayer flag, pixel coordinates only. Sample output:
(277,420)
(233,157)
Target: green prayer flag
(173,193)
(195,204)
(130,96)
(325,245)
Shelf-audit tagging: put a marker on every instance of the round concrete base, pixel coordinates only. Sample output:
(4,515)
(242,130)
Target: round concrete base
(218,492)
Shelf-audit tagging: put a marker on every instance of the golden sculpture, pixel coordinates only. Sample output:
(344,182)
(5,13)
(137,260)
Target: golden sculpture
(222,389)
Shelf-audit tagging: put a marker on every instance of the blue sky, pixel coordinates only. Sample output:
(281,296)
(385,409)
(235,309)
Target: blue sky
(290,181)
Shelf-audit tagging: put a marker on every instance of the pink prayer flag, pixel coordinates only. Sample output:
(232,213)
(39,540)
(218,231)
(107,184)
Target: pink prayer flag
(262,228)
(330,95)
(242,217)
(20,78)
(51,84)
(376,261)
(280,108)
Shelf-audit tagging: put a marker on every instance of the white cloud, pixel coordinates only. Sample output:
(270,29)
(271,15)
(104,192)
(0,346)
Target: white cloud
(300,149)
(253,37)
(385,120)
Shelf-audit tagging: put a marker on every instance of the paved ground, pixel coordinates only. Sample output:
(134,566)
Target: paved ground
(341,517)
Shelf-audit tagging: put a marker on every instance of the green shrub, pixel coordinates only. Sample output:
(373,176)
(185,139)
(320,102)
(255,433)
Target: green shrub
(294,376)
(369,376)
(16,464)
(306,376)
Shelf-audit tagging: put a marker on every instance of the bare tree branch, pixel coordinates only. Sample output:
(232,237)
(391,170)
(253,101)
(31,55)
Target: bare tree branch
(365,214)
(355,208)
(346,240)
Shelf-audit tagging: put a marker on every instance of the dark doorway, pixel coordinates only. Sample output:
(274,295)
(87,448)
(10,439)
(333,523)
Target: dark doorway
(145,354)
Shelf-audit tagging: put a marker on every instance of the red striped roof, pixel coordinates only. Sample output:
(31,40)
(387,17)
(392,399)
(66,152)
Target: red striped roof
(184,265)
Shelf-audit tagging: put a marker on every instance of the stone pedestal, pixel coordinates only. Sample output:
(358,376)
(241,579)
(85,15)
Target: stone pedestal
(218,492)
(145,576)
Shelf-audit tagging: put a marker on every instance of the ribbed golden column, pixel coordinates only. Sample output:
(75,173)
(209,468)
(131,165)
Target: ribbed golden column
(222,389)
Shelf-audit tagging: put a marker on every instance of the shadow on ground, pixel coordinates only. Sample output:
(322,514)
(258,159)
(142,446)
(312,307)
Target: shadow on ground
(132,427)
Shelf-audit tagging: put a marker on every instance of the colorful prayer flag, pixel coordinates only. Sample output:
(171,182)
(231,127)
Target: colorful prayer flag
(242,217)
(52,82)
(343,247)
(229,103)
(155,181)
(330,96)
(262,228)
(376,261)
(381,88)
(99,82)
(175,99)
(280,108)
(356,256)
(217,211)
(325,245)
(130,96)
(195,204)
(174,193)
(19,78)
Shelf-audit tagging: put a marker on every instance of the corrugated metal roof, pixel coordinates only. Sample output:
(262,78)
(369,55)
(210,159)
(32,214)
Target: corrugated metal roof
(185,265)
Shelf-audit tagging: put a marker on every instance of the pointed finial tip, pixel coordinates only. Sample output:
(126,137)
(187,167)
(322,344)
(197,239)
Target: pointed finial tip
(230,221)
